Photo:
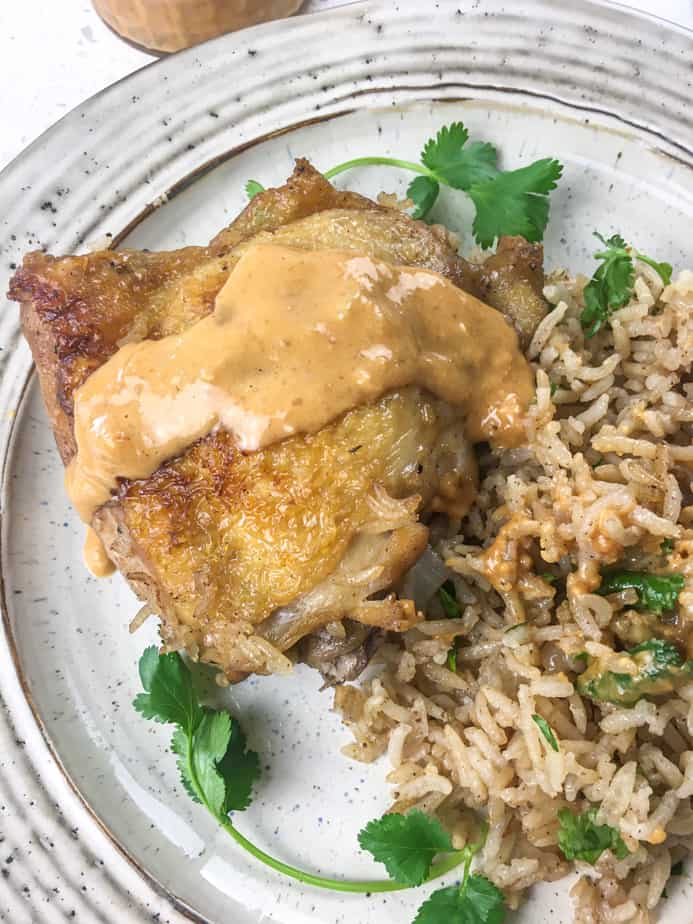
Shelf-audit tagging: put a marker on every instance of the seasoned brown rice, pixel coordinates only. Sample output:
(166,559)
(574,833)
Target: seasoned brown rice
(605,477)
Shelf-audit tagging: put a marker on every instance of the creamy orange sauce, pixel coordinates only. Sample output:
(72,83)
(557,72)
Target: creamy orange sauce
(95,556)
(506,561)
(296,339)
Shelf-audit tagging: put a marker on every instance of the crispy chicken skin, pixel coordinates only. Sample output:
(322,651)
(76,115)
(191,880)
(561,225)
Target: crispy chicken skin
(243,556)
(77,310)
(512,280)
(219,540)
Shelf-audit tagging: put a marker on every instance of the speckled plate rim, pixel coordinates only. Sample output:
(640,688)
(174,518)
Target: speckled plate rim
(402,57)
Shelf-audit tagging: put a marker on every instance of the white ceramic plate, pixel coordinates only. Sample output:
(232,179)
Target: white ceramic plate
(85,782)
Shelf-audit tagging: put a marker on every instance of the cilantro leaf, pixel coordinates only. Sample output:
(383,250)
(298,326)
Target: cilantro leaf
(448,599)
(656,592)
(147,666)
(664,269)
(423,192)
(179,746)
(486,901)
(611,286)
(214,763)
(143,704)
(615,242)
(507,203)
(452,658)
(546,731)
(252,188)
(171,696)
(667,546)
(477,901)
(406,844)
(581,838)
(209,746)
(240,769)
(477,164)
(445,148)
(515,202)
(454,162)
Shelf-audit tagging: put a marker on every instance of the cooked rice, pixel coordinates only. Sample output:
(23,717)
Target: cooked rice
(605,477)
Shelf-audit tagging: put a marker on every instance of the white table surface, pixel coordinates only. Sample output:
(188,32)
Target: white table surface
(56,53)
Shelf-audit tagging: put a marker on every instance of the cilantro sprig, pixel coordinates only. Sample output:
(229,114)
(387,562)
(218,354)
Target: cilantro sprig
(475,901)
(611,286)
(406,845)
(506,202)
(581,838)
(219,772)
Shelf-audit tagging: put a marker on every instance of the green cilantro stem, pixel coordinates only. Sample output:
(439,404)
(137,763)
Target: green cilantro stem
(337,885)
(612,285)
(468,854)
(277,865)
(217,771)
(506,202)
(320,882)
(377,161)
(467,867)
(292,871)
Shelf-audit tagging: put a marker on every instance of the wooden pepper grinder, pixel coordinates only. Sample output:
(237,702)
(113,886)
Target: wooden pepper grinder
(169,25)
